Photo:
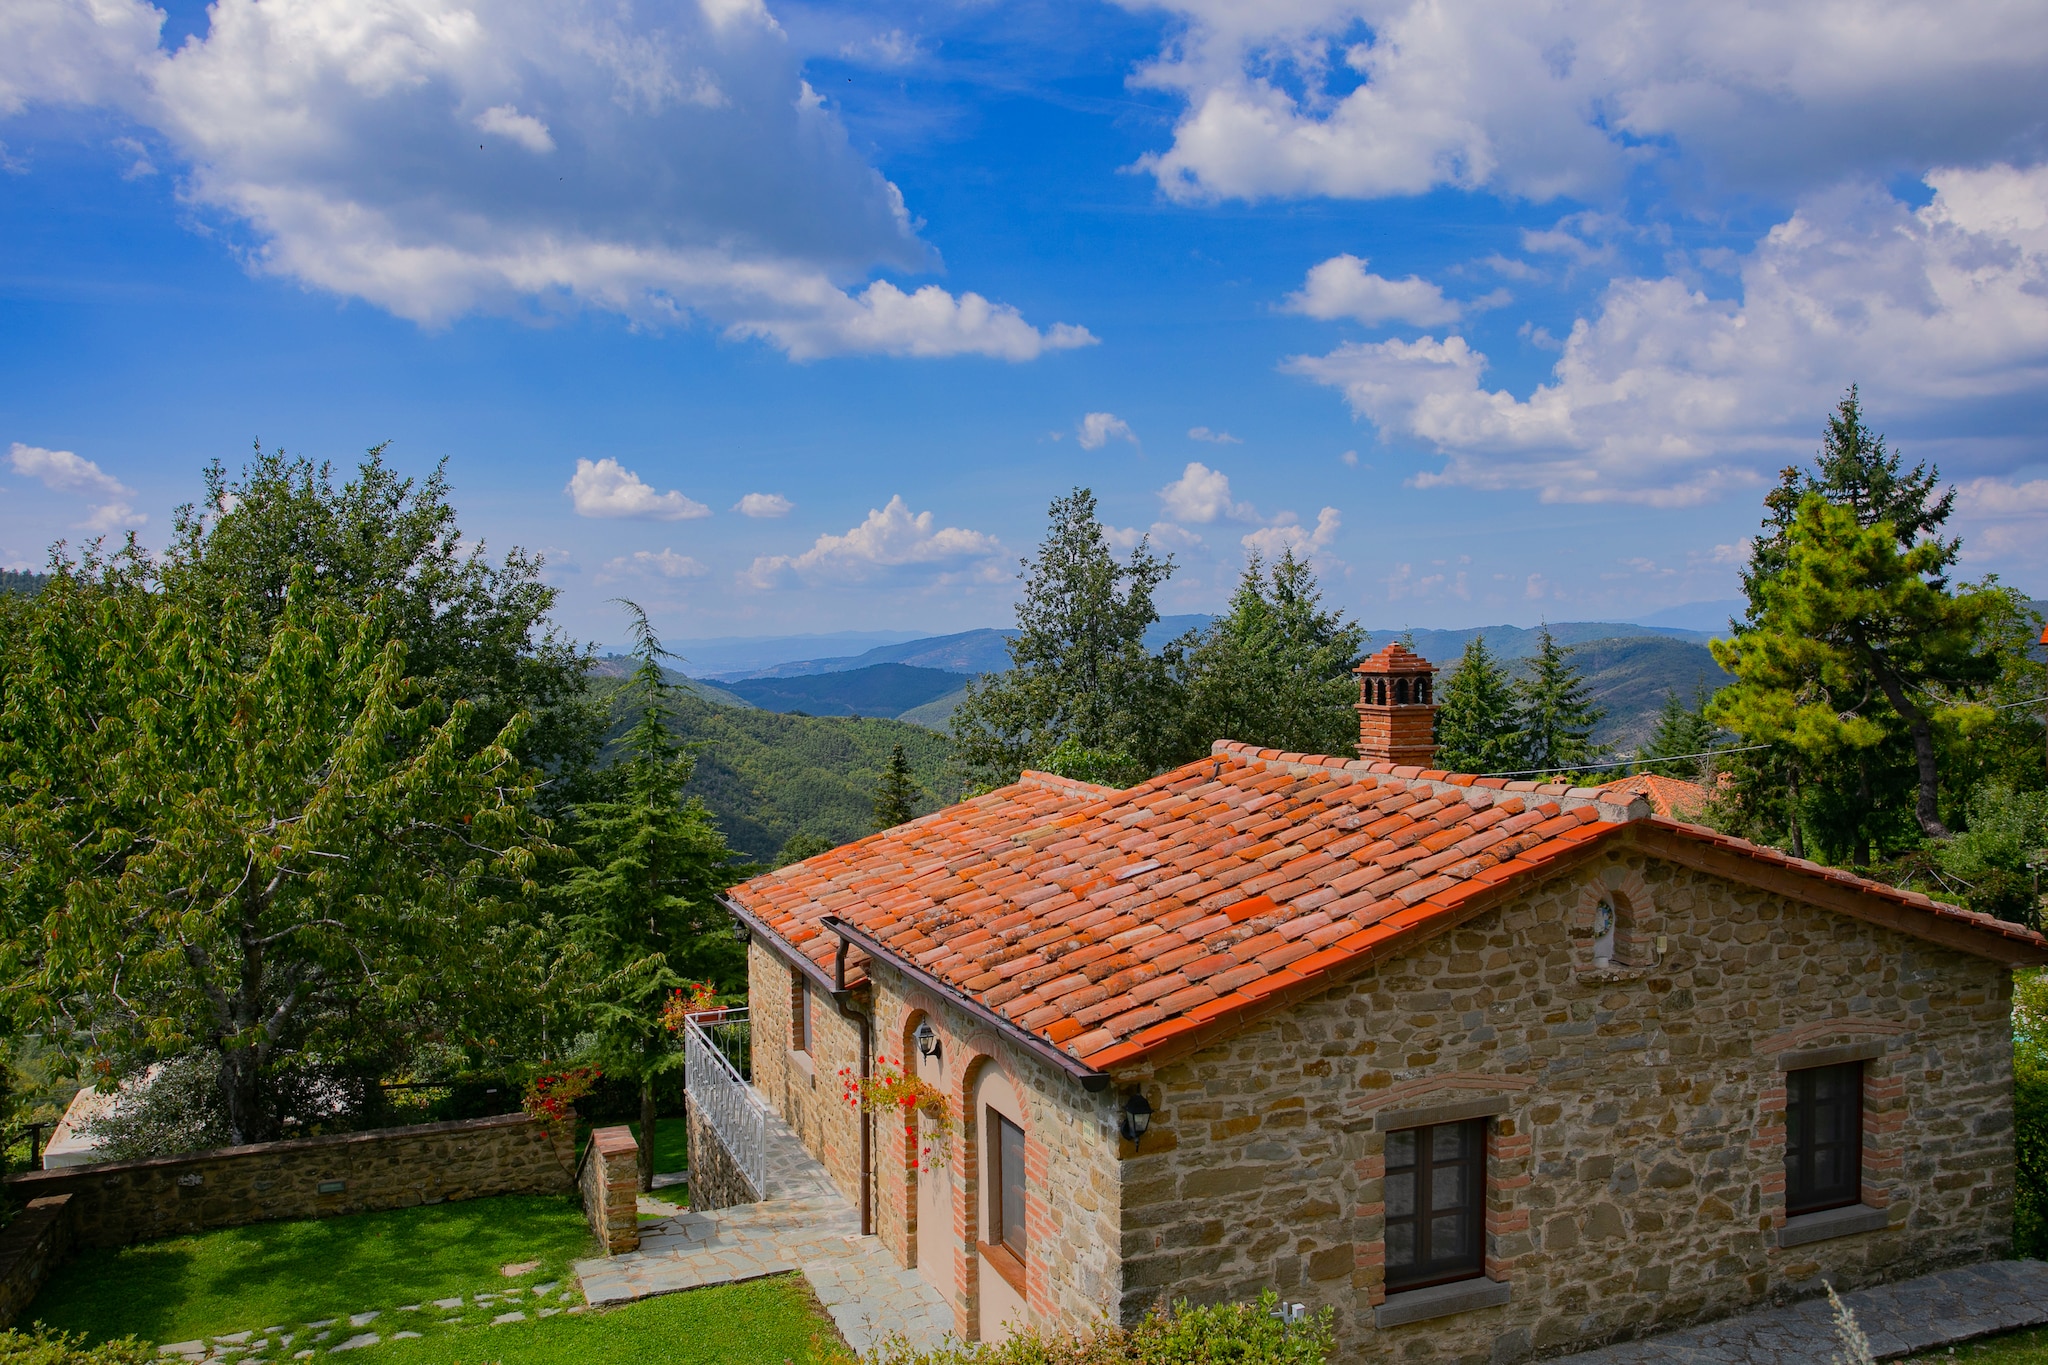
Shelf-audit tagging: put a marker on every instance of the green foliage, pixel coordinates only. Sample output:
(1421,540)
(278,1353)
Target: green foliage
(22,582)
(1079,666)
(640,908)
(252,838)
(1682,729)
(41,1346)
(801,846)
(1232,1333)
(473,630)
(1557,714)
(2030,1150)
(1275,671)
(1103,767)
(896,794)
(1852,636)
(180,1109)
(1478,718)
(1995,866)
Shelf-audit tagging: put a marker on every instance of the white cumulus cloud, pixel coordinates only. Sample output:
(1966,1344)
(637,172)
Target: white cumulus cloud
(891,537)
(1364,98)
(442,157)
(1286,533)
(1098,429)
(1202,495)
(764,505)
(606,488)
(65,471)
(1214,438)
(1342,287)
(1667,395)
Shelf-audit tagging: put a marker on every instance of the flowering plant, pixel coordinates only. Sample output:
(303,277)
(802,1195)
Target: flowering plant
(681,1004)
(551,1096)
(894,1087)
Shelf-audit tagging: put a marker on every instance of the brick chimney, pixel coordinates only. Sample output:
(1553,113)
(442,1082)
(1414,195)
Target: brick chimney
(1397,708)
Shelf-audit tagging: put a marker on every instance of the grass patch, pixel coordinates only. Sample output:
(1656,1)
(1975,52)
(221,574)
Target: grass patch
(671,1144)
(289,1274)
(2016,1348)
(761,1322)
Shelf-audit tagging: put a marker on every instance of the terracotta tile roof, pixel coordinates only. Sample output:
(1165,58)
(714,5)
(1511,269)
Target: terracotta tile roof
(1671,797)
(1122,926)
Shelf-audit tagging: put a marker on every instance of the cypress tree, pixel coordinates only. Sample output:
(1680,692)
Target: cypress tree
(1478,723)
(896,793)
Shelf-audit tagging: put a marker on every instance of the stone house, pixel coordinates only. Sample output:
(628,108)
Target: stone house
(1494,1070)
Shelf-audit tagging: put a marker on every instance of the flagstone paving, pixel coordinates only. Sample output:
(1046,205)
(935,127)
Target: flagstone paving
(803,1224)
(1900,1319)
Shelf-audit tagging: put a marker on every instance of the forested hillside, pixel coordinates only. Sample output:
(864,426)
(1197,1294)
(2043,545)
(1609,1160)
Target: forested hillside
(1631,677)
(22,581)
(767,775)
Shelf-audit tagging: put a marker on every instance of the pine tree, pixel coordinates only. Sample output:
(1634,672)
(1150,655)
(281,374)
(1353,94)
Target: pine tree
(1079,669)
(896,794)
(1682,729)
(641,908)
(1557,715)
(1274,671)
(1478,719)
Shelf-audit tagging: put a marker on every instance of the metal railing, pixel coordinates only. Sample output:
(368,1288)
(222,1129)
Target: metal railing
(719,1091)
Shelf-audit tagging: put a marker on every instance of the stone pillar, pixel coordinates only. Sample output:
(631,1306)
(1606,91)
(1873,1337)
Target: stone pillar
(611,1189)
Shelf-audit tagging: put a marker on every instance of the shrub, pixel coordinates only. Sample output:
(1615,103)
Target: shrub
(44,1347)
(1222,1334)
(2030,1150)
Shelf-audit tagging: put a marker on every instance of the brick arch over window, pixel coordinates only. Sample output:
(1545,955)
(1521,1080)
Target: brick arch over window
(1627,896)
(1882,1047)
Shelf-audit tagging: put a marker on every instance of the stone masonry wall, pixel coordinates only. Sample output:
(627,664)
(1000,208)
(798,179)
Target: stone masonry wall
(116,1203)
(716,1181)
(609,1181)
(806,1090)
(38,1241)
(1635,1162)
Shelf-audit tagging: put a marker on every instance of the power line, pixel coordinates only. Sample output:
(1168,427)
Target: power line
(1627,762)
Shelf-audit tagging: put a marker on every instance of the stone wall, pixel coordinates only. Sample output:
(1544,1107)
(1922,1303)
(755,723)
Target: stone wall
(38,1241)
(116,1203)
(716,1181)
(609,1180)
(1635,1154)
(806,1089)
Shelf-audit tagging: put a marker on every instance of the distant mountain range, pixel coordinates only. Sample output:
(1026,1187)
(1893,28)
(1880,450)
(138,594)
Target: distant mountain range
(970,652)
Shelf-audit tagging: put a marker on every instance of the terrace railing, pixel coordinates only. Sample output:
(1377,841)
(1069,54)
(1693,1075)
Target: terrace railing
(716,1053)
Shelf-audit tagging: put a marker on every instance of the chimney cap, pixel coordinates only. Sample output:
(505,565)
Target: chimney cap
(1395,658)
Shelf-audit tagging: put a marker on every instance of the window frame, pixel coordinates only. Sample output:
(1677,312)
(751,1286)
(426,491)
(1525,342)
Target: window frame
(1000,1229)
(1437,1271)
(1803,1140)
(799,1014)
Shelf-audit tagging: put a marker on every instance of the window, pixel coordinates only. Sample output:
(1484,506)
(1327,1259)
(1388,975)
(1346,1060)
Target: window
(799,1014)
(1823,1137)
(1436,1204)
(1006,1184)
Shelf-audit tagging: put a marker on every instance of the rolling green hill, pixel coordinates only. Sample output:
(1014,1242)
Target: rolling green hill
(1630,677)
(767,776)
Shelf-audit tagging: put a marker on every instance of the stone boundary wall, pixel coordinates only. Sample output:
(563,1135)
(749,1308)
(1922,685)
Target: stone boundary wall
(609,1180)
(116,1203)
(716,1181)
(35,1243)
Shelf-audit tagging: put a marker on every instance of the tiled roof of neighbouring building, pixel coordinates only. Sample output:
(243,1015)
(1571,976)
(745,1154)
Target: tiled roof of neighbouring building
(1121,926)
(1671,797)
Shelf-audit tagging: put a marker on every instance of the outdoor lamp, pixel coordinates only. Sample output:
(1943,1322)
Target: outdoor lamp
(926,1037)
(739,929)
(1136,1118)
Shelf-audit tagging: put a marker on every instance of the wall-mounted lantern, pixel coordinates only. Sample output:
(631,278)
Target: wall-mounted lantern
(1136,1117)
(926,1037)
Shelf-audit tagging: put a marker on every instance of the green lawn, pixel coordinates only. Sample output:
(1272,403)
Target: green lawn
(292,1274)
(761,1322)
(2019,1348)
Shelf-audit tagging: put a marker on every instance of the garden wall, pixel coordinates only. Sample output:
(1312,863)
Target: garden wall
(116,1203)
(34,1244)
(716,1181)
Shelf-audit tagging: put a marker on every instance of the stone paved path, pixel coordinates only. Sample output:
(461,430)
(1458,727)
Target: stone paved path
(804,1224)
(1900,1319)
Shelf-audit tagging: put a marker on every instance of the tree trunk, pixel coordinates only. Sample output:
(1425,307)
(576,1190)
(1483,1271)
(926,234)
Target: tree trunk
(646,1135)
(1927,809)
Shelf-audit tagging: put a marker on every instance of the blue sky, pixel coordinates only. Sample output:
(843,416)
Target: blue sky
(784,317)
